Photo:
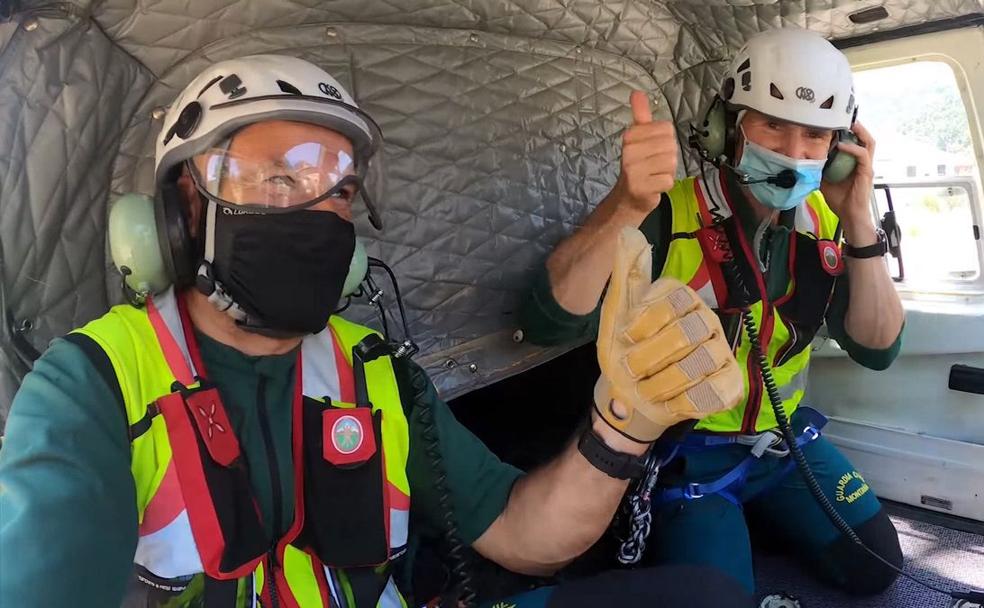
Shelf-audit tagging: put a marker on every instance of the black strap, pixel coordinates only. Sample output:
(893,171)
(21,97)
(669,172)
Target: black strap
(221,594)
(367,350)
(659,222)
(877,249)
(143,425)
(104,367)
(100,360)
(608,460)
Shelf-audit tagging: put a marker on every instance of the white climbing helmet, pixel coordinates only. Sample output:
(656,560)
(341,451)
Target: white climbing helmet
(795,75)
(234,93)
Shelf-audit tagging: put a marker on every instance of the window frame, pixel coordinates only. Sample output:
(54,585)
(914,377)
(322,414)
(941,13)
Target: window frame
(957,48)
(943,286)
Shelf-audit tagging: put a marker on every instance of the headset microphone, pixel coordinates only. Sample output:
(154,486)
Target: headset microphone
(784,179)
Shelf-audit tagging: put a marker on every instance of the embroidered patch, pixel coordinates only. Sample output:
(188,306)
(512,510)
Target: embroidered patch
(347,435)
(205,407)
(830,257)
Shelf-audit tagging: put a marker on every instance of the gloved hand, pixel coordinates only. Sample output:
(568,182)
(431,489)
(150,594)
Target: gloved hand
(662,352)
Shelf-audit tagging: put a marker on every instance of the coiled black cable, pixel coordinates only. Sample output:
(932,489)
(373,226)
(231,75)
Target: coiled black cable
(461,567)
(804,467)
(463,594)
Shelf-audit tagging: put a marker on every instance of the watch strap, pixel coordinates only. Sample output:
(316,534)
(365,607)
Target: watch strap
(875,250)
(608,460)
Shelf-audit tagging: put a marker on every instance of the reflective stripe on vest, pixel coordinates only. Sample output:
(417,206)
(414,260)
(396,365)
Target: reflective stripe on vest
(148,352)
(697,202)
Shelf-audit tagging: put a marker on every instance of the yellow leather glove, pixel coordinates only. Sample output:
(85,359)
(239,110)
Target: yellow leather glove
(662,352)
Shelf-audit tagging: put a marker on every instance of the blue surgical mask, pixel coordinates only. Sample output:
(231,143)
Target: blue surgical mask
(759,162)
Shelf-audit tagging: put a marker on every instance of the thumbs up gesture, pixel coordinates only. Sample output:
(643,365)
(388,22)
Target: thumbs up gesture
(662,352)
(649,157)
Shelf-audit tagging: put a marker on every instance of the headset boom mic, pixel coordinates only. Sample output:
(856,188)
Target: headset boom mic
(784,179)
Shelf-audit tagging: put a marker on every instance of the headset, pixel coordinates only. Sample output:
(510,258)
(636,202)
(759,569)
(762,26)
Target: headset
(716,142)
(152,246)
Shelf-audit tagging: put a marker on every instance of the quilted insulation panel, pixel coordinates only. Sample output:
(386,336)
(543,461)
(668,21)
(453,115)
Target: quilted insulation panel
(501,120)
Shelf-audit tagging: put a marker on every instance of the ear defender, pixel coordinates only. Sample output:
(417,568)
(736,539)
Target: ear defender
(174,238)
(150,243)
(358,269)
(133,245)
(715,137)
(840,165)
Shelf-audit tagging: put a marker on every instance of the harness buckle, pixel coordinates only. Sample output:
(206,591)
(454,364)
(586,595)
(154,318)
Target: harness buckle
(692,491)
(813,431)
(766,444)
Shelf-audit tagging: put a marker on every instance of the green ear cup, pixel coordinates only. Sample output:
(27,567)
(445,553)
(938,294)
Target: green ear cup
(357,269)
(712,135)
(841,164)
(133,244)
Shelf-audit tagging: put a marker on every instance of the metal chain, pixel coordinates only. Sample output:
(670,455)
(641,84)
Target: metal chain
(632,548)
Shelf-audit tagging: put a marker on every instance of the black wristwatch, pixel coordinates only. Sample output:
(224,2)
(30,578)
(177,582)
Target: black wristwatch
(607,460)
(871,251)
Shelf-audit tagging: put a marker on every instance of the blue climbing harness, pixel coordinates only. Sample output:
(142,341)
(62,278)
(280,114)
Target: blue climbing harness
(729,485)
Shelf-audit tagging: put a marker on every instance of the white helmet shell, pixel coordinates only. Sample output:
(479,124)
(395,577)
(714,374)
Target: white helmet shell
(238,92)
(794,75)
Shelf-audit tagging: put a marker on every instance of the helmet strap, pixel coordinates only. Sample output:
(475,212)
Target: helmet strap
(205,280)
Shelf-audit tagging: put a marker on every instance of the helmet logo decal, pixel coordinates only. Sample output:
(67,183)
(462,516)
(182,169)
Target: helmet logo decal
(231,85)
(329,90)
(805,93)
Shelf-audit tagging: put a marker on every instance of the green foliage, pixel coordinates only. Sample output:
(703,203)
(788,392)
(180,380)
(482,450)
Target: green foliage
(920,100)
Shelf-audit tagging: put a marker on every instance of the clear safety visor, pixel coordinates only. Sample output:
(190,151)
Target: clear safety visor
(277,176)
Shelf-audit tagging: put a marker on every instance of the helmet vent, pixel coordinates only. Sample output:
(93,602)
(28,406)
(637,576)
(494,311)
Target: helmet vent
(745,65)
(287,87)
(746,81)
(827,104)
(208,86)
(775,92)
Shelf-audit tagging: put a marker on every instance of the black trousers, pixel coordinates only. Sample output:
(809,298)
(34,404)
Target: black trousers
(657,587)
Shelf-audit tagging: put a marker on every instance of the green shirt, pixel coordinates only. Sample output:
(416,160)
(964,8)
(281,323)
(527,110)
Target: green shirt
(546,322)
(68,517)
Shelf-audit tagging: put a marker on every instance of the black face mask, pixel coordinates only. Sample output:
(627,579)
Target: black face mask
(286,270)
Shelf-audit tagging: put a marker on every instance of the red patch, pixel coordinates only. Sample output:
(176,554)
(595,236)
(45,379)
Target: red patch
(714,243)
(210,416)
(348,436)
(830,257)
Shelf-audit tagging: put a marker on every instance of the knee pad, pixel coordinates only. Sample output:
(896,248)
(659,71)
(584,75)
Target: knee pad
(853,569)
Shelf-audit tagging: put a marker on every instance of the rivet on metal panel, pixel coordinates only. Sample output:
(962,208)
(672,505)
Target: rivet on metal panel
(518,336)
(563,148)
(578,50)
(31,24)
(473,38)
(472,368)
(158,113)
(450,364)
(331,32)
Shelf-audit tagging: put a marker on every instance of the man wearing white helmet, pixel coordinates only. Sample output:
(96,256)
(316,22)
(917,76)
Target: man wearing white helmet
(759,234)
(227,441)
